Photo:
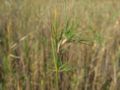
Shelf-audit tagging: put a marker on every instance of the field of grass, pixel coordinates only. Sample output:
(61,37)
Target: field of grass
(59,45)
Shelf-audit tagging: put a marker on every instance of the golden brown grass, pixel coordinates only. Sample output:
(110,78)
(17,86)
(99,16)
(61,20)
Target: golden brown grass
(59,45)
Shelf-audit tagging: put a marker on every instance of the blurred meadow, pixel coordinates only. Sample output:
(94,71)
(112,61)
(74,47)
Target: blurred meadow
(59,45)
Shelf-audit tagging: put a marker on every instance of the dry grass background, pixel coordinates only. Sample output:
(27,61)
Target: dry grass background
(32,58)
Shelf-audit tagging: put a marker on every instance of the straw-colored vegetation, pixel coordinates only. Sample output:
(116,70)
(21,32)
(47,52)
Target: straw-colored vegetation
(59,45)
